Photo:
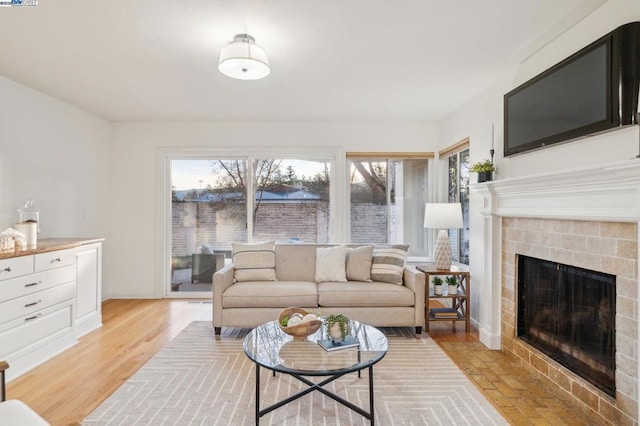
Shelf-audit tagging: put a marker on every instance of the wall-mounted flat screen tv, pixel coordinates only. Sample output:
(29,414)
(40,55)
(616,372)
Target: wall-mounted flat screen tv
(593,90)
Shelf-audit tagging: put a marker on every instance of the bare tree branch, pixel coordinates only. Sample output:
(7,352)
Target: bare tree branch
(375,182)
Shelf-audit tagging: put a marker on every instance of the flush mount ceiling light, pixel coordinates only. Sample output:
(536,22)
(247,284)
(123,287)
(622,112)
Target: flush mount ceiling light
(244,59)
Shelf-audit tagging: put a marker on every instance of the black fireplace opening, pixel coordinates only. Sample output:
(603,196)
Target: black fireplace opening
(568,313)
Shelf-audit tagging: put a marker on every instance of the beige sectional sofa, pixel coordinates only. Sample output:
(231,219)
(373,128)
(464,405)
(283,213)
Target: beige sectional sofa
(251,303)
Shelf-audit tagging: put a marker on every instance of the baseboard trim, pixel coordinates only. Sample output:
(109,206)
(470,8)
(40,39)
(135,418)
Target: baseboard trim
(31,360)
(492,341)
(88,323)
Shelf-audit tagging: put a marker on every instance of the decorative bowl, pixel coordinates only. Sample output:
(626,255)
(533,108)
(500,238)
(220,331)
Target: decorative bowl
(298,331)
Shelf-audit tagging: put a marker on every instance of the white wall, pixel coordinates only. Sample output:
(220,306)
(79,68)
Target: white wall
(476,117)
(134,269)
(56,154)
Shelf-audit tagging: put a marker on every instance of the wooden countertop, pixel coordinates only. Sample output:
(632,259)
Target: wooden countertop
(48,244)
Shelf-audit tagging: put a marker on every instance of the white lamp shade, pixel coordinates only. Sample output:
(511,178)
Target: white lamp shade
(443,215)
(243,59)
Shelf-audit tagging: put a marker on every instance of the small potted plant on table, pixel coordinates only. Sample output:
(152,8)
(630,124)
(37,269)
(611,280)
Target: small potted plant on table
(452,283)
(337,327)
(437,285)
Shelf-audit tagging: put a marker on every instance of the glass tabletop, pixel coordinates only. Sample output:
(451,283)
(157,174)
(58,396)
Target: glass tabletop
(270,347)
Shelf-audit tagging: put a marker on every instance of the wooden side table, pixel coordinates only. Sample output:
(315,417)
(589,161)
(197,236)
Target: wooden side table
(459,301)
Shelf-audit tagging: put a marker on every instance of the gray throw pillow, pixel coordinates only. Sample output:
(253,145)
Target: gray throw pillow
(359,263)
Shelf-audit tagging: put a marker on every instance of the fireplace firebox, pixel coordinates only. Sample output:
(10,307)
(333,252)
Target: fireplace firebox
(568,313)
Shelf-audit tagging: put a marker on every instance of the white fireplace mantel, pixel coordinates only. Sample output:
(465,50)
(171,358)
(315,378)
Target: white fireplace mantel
(608,192)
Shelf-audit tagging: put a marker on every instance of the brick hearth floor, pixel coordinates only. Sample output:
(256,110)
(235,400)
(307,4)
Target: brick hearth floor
(520,397)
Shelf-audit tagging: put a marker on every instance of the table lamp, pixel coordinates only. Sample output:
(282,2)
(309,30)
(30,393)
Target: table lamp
(443,216)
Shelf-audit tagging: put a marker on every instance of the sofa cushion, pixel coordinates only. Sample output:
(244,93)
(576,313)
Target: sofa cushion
(355,293)
(296,262)
(330,264)
(388,263)
(254,262)
(270,294)
(359,263)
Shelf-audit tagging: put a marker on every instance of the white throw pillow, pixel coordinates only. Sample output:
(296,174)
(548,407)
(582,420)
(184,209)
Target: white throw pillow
(254,262)
(330,264)
(388,263)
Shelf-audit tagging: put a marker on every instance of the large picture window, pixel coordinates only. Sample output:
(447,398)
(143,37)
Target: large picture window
(386,201)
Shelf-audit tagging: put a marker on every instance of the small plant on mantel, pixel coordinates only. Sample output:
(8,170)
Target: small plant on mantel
(485,166)
(484,169)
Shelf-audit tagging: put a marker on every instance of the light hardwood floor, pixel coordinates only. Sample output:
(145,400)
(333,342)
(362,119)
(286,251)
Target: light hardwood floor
(68,387)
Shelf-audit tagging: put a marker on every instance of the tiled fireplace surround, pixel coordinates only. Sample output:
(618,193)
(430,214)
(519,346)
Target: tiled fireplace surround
(586,218)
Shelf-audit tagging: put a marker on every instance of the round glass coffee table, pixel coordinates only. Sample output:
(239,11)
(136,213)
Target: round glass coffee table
(270,347)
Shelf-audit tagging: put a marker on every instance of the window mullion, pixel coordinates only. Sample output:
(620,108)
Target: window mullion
(388,184)
(251,196)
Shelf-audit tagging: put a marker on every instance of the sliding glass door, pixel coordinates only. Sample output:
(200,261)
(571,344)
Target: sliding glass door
(211,208)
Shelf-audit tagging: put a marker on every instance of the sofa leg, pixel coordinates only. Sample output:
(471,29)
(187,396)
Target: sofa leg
(418,331)
(217,330)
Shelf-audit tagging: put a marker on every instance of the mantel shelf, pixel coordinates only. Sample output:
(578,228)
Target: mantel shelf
(608,192)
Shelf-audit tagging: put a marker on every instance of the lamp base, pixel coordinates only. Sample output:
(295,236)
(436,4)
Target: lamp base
(442,253)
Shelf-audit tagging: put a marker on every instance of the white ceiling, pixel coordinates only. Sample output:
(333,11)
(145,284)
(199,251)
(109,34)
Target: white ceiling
(330,60)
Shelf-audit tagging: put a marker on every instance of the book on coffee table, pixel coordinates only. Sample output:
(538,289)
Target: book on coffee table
(349,342)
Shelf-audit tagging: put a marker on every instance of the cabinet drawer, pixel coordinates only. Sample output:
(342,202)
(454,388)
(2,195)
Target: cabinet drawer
(54,259)
(27,305)
(18,287)
(35,329)
(15,267)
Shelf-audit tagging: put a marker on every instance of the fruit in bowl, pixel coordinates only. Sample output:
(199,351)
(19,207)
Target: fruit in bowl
(298,323)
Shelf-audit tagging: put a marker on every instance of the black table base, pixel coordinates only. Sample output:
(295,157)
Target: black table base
(319,387)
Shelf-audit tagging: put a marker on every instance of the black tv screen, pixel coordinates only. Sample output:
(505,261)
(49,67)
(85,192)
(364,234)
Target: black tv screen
(577,97)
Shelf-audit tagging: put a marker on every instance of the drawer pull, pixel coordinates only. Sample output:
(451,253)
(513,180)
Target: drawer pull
(32,284)
(33,317)
(57,259)
(7,269)
(32,303)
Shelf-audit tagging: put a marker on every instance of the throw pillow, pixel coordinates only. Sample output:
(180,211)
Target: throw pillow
(330,264)
(254,262)
(388,263)
(359,263)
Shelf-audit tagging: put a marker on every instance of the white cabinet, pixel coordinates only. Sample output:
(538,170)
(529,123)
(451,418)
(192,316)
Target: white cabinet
(54,259)
(88,288)
(16,267)
(47,300)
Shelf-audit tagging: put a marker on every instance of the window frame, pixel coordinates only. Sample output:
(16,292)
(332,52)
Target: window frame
(445,155)
(388,157)
(337,193)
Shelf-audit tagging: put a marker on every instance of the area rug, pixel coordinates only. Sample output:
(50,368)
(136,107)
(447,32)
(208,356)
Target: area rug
(199,379)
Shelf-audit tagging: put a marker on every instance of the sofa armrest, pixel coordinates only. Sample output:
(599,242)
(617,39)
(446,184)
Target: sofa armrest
(415,280)
(222,280)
